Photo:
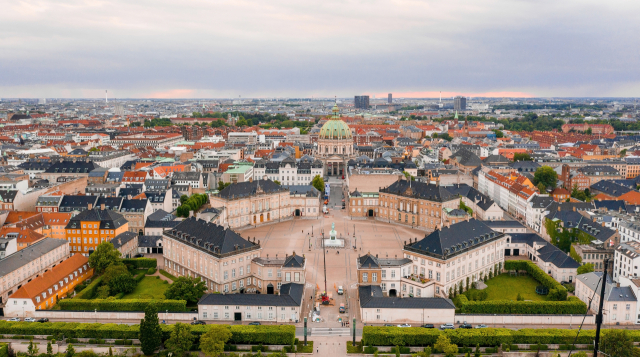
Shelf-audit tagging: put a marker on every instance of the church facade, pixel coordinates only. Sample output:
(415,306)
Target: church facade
(335,145)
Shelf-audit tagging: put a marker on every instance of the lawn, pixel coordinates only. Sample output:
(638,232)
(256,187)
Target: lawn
(150,287)
(507,287)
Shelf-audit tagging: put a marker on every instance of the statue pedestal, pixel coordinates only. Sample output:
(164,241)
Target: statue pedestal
(333,241)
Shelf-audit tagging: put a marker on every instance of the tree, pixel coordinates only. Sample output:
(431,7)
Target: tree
(521,156)
(617,343)
(444,344)
(181,339)
(589,131)
(477,352)
(585,268)
(183,199)
(222,185)
(542,188)
(519,297)
(242,122)
(70,351)
(33,348)
(318,183)
(186,288)
(408,176)
(104,256)
(434,135)
(113,271)
(123,283)
(150,331)
(49,349)
(277,182)
(212,342)
(545,175)
(499,133)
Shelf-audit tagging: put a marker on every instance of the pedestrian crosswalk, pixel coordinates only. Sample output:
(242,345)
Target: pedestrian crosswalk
(327,331)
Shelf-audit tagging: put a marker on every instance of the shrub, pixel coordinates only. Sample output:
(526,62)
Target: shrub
(151,271)
(121,305)
(354,349)
(168,275)
(573,306)
(141,262)
(90,291)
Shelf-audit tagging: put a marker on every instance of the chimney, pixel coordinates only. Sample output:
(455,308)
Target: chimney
(603,224)
(102,206)
(376,255)
(574,208)
(190,212)
(74,159)
(128,197)
(89,206)
(558,208)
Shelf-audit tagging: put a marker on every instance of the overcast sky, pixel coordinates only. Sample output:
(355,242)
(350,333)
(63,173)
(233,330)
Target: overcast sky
(286,48)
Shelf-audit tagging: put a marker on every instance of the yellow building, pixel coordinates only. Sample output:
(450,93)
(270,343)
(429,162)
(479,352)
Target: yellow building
(54,224)
(92,227)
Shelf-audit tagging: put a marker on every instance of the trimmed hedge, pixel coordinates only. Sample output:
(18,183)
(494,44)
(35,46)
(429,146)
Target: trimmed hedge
(4,350)
(557,292)
(121,305)
(90,290)
(573,306)
(240,334)
(140,263)
(396,336)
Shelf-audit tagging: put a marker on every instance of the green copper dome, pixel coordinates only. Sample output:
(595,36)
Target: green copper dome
(335,128)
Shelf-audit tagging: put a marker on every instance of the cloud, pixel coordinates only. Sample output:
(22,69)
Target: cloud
(170,94)
(280,48)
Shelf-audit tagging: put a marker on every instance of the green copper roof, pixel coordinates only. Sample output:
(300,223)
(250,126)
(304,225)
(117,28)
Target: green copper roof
(335,128)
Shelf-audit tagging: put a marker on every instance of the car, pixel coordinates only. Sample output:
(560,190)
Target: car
(44,319)
(14,319)
(447,327)
(138,256)
(340,290)
(198,322)
(255,323)
(342,309)
(29,319)
(465,325)
(481,326)
(428,326)
(388,325)
(404,325)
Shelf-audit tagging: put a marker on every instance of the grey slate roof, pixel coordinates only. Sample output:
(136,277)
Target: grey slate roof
(482,201)
(209,237)
(27,255)
(161,215)
(541,201)
(148,241)
(307,190)
(573,219)
(70,167)
(122,239)
(504,224)
(371,297)
(290,295)
(610,188)
(466,158)
(108,219)
(453,240)
(294,261)
(245,189)
(421,190)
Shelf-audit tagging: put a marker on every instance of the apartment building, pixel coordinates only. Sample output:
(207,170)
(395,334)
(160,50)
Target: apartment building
(289,171)
(19,268)
(92,227)
(620,304)
(270,274)
(388,273)
(44,291)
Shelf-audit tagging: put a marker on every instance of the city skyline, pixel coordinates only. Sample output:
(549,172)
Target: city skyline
(284,49)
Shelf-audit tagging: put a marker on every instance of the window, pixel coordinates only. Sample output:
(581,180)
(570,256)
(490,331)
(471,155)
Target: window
(365,277)
(393,273)
(384,274)
(287,276)
(383,286)
(374,277)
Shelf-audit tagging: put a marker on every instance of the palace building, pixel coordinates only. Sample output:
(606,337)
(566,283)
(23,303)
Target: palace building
(335,145)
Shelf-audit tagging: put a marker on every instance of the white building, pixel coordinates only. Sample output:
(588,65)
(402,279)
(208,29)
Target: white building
(288,171)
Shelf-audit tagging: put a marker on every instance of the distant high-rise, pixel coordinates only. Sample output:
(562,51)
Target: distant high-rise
(361,102)
(389,98)
(460,103)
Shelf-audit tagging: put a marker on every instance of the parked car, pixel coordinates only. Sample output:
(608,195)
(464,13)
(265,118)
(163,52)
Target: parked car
(14,319)
(29,319)
(255,323)
(388,325)
(198,322)
(481,326)
(44,319)
(428,326)
(404,325)
(340,290)
(138,256)
(465,325)
(342,310)
(447,327)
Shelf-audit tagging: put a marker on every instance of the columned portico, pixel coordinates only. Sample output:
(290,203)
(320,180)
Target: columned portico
(335,145)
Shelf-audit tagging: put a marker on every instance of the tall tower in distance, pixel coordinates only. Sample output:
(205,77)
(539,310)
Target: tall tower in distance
(106,97)
(460,103)
(389,98)
(361,102)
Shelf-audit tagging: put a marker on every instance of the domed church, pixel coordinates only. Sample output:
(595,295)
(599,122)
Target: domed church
(335,145)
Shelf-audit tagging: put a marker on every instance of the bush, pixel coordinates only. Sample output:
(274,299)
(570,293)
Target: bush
(91,289)
(151,271)
(371,350)
(573,306)
(121,305)
(354,349)
(392,336)
(4,350)
(168,275)
(141,262)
